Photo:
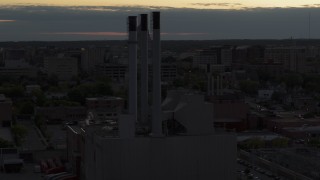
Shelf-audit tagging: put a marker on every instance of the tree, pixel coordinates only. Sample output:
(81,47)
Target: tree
(40,97)
(249,87)
(102,88)
(4,143)
(53,80)
(39,120)
(26,108)
(79,93)
(280,142)
(277,96)
(19,132)
(12,90)
(254,143)
(293,80)
(315,142)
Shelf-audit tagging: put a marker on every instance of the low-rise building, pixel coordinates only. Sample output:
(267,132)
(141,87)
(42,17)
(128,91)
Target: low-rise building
(62,114)
(302,132)
(265,94)
(230,112)
(278,124)
(32,88)
(105,108)
(5,111)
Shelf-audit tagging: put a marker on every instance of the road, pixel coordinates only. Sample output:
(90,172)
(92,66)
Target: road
(256,175)
(32,140)
(58,136)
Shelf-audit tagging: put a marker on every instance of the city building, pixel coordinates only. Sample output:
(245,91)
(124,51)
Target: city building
(65,68)
(93,56)
(18,72)
(303,132)
(279,124)
(230,112)
(62,114)
(32,88)
(240,55)
(190,111)
(265,94)
(105,108)
(5,111)
(15,58)
(293,58)
(219,58)
(168,71)
(116,72)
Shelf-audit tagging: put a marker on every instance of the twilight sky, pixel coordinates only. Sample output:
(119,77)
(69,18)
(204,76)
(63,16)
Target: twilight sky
(23,20)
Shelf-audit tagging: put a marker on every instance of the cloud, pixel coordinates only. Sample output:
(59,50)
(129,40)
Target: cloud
(109,22)
(87,33)
(217,4)
(6,20)
(184,34)
(311,5)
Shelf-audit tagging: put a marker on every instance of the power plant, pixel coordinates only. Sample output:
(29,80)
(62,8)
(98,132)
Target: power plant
(156,123)
(177,142)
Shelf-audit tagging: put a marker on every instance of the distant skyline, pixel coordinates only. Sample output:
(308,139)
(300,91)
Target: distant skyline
(46,20)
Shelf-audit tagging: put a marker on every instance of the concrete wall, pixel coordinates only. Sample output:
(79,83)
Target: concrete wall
(5,111)
(168,158)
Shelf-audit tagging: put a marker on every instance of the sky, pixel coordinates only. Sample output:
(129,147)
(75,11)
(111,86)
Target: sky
(46,20)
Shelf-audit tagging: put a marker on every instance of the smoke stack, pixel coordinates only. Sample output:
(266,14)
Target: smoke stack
(209,91)
(221,87)
(132,23)
(156,60)
(212,84)
(144,36)
(218,86)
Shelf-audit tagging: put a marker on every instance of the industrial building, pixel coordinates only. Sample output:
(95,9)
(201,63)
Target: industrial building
(170,140)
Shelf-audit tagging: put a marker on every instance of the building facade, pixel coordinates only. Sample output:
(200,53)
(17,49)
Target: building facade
(65,68)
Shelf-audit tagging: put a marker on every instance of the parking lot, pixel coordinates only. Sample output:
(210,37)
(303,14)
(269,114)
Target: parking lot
(246,169)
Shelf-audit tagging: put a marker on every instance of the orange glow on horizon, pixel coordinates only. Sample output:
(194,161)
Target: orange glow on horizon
(6,20)
(198,4)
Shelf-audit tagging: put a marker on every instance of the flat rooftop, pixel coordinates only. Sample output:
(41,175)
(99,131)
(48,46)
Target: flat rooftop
(5,133)
(296,119)
(104,98)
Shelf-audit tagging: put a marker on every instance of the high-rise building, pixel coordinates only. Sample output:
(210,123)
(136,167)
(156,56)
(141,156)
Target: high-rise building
(219,57)
(93,56)
(15,58)
(65,68)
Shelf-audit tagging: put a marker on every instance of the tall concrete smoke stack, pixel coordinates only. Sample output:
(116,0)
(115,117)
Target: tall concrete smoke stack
(133,66)
(156,60)
(144,37)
